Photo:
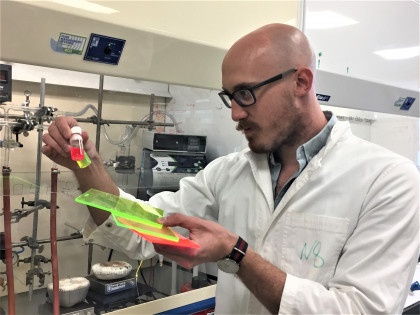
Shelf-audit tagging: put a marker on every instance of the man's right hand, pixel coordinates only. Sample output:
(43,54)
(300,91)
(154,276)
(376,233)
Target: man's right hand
(57,146)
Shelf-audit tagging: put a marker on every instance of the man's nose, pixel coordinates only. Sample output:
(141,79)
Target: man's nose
(238,112)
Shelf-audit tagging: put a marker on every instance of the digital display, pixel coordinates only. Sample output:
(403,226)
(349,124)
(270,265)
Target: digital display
(5,83)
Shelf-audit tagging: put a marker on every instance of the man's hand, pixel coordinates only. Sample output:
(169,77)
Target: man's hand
(262,278)
(57,146)
(215,241)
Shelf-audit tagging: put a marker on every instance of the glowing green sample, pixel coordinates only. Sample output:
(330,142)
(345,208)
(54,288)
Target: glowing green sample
(164,232)
(85,162)
(121,207)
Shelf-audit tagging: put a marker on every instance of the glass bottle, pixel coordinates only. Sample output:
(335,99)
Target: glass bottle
(76,143)
(76,148)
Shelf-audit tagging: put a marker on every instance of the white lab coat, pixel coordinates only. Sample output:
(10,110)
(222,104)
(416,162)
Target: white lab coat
(346,232)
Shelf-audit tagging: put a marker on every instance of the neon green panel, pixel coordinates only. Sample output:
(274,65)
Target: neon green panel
(121,207)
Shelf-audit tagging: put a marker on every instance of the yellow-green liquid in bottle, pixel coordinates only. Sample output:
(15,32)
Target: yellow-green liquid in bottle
(85,162)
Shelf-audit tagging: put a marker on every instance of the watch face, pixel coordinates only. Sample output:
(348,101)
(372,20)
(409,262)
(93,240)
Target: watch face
(228,265)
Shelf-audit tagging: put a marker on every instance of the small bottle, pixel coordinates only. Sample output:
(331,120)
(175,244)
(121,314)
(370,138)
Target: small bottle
(77,152)
(76,143)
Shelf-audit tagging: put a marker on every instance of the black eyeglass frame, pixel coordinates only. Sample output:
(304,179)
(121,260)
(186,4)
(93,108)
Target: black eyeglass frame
(251,89)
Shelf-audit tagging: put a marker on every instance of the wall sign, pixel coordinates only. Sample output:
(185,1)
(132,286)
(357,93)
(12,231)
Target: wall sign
(104,49)
(404,103)
(68,44)
(322,97)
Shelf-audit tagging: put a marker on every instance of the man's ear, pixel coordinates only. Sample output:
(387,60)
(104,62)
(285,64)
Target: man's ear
(304,81)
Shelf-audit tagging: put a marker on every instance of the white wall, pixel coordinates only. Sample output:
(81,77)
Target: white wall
(399,134)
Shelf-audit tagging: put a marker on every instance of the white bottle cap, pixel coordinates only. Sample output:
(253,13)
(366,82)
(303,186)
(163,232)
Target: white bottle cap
(76,129)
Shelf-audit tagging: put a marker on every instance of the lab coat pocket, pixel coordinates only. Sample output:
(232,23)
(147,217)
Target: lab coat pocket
(312,245)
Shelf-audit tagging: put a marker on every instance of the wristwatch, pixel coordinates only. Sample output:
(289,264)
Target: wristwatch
(231,263)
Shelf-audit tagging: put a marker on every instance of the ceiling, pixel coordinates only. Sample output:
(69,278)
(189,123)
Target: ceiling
(381,25)
(216,23)
(345,50)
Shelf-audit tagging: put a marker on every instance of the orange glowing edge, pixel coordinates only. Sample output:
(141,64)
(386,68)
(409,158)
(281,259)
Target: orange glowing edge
(182,242)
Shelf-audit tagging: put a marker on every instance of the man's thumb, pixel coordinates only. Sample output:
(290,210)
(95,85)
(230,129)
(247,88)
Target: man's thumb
(175,219)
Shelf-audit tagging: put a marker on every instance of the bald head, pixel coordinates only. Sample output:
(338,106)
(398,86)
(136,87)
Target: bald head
(278,46)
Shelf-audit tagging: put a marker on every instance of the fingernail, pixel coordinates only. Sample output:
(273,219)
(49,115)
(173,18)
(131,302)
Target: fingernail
(160,220)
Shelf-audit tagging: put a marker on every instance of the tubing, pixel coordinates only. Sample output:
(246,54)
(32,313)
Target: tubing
(130,132)
(53,237)
(166,114)
(8,240)
(84,110)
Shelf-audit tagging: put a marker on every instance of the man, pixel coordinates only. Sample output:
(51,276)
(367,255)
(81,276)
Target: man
(331,221)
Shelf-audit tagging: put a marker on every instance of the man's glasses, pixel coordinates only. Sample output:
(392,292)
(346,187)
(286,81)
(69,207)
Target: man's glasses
(246,96)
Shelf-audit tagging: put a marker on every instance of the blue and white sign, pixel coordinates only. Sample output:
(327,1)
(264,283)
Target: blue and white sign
(104,49)
(404,103)
(322,97)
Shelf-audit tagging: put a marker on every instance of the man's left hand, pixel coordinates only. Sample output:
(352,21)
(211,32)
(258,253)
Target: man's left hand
(214,240)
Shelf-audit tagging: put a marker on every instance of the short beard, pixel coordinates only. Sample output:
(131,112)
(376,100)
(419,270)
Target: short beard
(288,138)
(250,140)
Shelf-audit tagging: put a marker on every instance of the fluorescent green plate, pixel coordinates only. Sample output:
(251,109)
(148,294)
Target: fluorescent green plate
(121,207)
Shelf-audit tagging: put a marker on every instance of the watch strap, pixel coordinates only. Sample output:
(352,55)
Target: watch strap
(238,252)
